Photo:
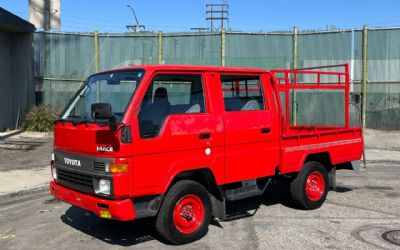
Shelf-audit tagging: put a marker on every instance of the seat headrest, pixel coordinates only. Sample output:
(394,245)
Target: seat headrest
(161,94)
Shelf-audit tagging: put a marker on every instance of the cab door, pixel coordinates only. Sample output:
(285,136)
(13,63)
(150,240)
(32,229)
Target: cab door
(250,127)
(176,131)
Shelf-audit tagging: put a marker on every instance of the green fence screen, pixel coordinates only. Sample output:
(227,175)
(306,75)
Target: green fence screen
(64,60)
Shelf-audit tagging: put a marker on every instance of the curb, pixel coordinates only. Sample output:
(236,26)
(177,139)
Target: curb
(24,195)
(11,133)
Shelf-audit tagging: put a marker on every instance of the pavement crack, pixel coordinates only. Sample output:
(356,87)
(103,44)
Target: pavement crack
(253,234)
(362,208)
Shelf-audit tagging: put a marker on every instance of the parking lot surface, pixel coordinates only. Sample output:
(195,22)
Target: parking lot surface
(365,206)
(27,150)
(24,162)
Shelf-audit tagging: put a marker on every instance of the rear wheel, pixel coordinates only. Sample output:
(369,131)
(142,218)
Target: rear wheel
(185,213)
(310,188)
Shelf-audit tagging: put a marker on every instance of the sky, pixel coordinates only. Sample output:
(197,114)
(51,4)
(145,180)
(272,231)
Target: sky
(244,15)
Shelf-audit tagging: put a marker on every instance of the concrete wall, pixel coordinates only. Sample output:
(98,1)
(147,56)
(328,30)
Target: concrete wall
(5,80)
(16,77)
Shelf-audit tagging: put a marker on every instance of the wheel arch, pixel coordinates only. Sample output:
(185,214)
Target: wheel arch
(203,176)
(322,157)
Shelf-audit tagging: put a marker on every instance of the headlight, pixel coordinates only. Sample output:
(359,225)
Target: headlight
(103,187)
(53,169)
(54,173)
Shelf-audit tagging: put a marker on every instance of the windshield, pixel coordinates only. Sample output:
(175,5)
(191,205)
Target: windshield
(115,88)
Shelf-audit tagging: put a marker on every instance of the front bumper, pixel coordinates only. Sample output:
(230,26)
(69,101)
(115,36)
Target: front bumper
(122,210)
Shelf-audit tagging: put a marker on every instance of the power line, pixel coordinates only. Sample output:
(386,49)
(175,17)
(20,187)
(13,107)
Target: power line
(94,24)
(198,6)
(199,29)
(89,24)
(103,22)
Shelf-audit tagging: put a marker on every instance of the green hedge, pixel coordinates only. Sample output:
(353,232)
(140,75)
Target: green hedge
(41,118)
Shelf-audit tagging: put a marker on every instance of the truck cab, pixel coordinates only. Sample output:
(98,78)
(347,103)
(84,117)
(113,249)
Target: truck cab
(176,142)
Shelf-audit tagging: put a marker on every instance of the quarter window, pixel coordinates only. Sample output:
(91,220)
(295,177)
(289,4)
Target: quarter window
(242,93)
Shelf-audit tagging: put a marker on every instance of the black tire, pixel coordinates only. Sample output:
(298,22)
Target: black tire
(310,196)
(165,223)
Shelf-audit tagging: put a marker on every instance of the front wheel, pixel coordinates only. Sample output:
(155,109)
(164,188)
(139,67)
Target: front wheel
(310,188)
(185,213)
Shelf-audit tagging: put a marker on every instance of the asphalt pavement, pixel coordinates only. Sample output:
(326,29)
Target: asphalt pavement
(365,206)
(25,159)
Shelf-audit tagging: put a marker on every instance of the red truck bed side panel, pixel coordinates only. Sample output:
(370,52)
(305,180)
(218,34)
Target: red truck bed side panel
(343,145)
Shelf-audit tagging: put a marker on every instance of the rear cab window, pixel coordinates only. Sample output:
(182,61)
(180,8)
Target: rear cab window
(242,92)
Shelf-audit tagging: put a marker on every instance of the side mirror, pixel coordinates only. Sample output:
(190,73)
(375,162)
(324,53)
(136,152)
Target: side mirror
(101,111)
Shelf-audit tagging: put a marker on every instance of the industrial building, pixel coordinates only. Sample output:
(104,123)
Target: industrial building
(16,69)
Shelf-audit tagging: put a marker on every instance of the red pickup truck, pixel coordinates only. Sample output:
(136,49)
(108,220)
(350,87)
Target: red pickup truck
(176,142)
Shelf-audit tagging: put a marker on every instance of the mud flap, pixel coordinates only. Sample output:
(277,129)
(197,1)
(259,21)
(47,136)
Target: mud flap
(332,179)
(218,208)
(356,165)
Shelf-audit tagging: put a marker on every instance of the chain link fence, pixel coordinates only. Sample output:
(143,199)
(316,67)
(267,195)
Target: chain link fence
(383,76)
(64,60)
(117,51)
(192,48)
(259,50)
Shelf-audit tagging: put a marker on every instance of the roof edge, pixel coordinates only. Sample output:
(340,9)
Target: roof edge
(14,23)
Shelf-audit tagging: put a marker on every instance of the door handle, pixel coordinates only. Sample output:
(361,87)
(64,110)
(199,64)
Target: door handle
(265,130)
(203,136)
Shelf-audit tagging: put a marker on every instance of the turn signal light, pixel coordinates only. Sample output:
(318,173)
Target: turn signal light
(105,214)
(118,167)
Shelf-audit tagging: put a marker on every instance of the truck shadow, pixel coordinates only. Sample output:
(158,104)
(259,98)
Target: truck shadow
(112,232)
(279,194)
(140,231)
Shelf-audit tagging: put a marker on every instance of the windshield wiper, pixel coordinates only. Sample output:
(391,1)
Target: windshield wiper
(59,120)
(74,121)
(79,122)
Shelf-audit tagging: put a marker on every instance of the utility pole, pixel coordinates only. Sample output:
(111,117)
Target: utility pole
(364,76)
(295,66)
(46,15)
(217,12)
(135,27)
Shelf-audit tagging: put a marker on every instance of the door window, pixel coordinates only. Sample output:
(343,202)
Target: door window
(167,95)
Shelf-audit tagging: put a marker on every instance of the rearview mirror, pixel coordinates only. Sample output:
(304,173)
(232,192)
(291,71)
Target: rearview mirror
(113,81)
(101,111)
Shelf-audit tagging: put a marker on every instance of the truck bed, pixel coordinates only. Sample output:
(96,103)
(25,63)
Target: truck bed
(339,143)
